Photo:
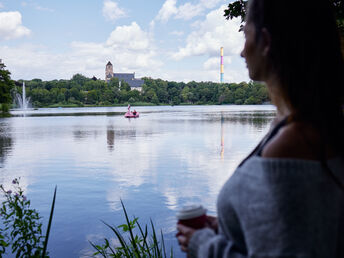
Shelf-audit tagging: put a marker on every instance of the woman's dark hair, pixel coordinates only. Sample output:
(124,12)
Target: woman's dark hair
(306,56)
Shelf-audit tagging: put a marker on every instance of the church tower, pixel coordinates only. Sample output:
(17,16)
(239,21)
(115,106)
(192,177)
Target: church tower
(108,72)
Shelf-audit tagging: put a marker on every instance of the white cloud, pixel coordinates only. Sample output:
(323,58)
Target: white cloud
(210,3)
(133,36)
(235,72)
(129,48)
(1,6)
(213,63)
(185,11)
(211,34)
(11,26)
(167,10)
(111,11)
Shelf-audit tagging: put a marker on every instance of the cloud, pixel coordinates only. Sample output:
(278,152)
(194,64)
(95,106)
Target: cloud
(1,6)
(111,11)
(132,35)
(185,11)
(203,44)
(11,26)
(213,63)
(211,34)
(167,10)
(129,48)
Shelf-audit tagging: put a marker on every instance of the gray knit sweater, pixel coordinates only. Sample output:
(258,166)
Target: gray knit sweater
(277,208)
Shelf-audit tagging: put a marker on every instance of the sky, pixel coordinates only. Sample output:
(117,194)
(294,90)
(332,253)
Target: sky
(175,40)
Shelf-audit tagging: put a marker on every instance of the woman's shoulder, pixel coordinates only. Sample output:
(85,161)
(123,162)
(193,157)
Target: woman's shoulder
(297,140)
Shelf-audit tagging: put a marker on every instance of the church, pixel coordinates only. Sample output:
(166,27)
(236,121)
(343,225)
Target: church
(135,84)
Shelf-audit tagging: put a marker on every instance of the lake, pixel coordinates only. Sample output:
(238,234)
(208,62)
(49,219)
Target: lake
(167,158)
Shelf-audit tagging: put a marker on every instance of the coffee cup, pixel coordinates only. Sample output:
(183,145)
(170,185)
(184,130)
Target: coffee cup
(193,216)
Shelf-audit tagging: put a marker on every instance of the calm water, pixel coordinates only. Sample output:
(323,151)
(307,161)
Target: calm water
(169,157)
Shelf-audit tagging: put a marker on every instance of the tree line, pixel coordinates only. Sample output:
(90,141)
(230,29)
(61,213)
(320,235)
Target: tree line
(83,91)
(6,85)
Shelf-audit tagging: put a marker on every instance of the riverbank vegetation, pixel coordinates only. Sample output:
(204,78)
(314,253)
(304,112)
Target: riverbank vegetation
(134,241)
(21,231)
(6,85)
(21,225)
(82,91)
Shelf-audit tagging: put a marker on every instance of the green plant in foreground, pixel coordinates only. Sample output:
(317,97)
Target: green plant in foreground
(136,245)
(22,224)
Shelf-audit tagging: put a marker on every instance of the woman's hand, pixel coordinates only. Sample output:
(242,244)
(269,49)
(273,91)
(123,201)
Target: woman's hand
(184,234)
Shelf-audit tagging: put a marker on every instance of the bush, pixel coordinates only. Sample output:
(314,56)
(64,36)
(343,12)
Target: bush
(22,224)
(4,108)
(238,102)
(131,100)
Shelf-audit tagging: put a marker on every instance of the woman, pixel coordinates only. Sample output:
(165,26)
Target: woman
(286,199)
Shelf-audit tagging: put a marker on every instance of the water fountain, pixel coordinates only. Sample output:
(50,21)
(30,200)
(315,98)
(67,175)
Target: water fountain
(21,101)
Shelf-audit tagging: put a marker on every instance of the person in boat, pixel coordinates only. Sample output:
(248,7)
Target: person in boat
(286,199)
(134,112)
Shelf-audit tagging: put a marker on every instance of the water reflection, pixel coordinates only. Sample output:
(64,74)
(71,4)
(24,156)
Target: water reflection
(155,164)
(110,136)
(6,142)
(222,137)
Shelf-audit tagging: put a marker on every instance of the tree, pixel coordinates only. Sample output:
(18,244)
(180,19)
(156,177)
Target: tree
(125,86)
(113,83)
(92,97)
(79,79)
(184,94)
(6,85)
(238,9)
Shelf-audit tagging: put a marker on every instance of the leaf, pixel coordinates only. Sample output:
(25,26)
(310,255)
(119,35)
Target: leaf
(121,240)
(49,224)
(130,231)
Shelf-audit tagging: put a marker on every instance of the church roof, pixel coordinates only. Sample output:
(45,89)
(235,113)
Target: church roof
(109,63)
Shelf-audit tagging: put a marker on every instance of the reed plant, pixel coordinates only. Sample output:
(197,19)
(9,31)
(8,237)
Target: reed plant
(134,241)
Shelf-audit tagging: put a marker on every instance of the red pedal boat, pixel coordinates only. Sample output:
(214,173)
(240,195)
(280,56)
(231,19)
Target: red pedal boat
(130,114)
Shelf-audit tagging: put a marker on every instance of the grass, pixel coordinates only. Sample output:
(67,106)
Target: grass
(132,244)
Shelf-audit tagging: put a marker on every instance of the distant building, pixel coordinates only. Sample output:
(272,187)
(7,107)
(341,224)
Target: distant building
(135,84)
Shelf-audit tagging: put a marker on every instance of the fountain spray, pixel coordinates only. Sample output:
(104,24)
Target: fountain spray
(24,103)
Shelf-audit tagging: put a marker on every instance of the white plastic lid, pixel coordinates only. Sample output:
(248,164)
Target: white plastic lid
(190,212)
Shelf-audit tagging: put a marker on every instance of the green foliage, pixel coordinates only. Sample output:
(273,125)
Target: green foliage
(6,85)
(82,91)
(238,9)
(22,225)
(203,92)
(4,108)
(141,244)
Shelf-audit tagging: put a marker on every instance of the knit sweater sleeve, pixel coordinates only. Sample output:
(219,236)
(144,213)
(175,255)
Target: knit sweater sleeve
(206,244)
(276,208)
